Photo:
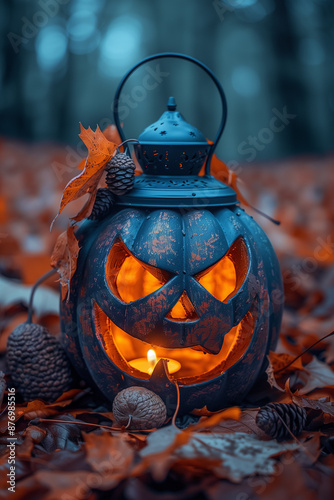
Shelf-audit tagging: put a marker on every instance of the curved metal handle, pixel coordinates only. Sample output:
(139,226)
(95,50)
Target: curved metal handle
(187,58)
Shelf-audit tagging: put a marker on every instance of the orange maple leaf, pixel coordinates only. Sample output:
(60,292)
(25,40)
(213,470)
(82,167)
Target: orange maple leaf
(64,258)
(220,171)
(100,150)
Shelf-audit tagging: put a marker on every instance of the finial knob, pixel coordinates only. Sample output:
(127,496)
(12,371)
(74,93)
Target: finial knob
(171,106)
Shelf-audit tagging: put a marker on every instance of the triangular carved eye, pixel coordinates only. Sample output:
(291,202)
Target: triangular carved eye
(226,276)
(129,278)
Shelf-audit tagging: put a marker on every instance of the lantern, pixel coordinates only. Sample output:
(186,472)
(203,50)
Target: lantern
(178,283)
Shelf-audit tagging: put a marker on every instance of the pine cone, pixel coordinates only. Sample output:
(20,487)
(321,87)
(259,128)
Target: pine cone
(120,174)
(102,206)
(37,363)
(269,419)
(146,409)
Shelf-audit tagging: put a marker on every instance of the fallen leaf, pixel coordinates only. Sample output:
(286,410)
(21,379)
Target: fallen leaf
(36,409)
(208,422)
(55,485)
(203,412)
(271,377)
(316,375)
(289,483)
(284,363)
(245,424)
(32,435)
(174,439)
(323,404)
(68,397)
(64,258)
(61,436)
(110,456)
(239,454)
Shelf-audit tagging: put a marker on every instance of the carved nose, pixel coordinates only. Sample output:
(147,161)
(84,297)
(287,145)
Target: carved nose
(183,310)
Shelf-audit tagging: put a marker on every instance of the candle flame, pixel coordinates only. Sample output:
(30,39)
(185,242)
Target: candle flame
(151,357)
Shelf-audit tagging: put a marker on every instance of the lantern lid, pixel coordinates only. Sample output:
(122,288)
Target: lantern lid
(171,146)
(172,128)
(192,191)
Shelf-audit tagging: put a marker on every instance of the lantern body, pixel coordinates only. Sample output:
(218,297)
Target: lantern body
(178,268)
(201,286)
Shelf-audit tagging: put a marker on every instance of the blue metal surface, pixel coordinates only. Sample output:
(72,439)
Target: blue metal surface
(178,227)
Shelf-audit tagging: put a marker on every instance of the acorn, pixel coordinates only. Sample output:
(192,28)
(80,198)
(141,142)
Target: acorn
(37,363)
(139,408)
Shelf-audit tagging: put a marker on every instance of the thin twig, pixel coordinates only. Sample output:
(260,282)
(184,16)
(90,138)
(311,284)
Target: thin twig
(80,422)
(274,221)
(5,408)
(304,352)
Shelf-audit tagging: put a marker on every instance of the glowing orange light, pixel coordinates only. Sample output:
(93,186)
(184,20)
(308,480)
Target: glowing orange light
(152,357)
(148,364)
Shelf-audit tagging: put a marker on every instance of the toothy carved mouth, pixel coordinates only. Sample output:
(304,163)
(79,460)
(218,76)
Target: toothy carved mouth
(196,366)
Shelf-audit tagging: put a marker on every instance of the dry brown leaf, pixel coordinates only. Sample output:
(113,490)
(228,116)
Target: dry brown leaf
(100,151)
(289,484)
(110,456)
(326,406)
(175,438)
(39,409)
(32,435)
(67,397)
(316,375)
(280,361)
(36,409)
(271,377)
(323,404)
(238,455)
(203,412)
(64,258)
(246,423)
(208,422)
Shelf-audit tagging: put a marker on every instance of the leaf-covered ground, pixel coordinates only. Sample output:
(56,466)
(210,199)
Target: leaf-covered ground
(73,449)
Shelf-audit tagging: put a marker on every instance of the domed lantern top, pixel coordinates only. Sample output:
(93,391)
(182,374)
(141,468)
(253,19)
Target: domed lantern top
(171,146)
(171,153)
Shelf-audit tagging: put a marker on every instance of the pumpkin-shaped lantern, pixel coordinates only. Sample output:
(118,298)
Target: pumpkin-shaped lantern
(177,272)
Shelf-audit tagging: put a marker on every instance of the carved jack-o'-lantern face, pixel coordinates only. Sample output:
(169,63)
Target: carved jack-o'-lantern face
(191,286)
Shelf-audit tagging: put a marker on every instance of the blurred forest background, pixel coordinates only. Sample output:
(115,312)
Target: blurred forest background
(62,60)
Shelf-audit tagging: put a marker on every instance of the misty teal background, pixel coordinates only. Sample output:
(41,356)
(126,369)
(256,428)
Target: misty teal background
(61,61)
